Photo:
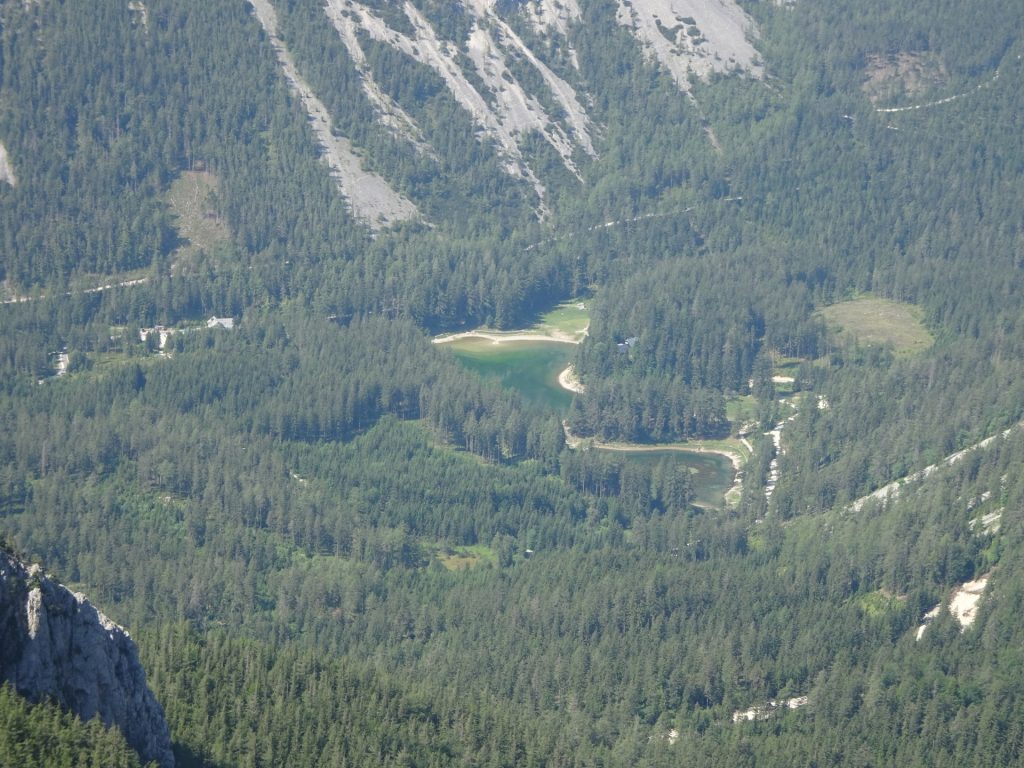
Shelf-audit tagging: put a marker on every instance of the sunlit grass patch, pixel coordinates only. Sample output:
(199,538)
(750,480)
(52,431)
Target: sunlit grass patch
(879,603)
(871,321)
(570,317)
(193,200)
(461,558)
(740,409)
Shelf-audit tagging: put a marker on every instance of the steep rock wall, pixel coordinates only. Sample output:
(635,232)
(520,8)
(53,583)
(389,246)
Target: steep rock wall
(55,644)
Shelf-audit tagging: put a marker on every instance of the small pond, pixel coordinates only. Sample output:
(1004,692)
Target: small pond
(711,474)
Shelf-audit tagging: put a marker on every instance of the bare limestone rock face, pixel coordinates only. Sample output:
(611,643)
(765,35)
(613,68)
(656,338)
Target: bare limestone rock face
(55,644)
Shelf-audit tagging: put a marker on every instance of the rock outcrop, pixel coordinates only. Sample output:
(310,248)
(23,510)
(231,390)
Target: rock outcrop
(6,170)
(55,645)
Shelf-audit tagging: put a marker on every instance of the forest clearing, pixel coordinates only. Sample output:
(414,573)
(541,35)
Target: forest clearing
(875,321)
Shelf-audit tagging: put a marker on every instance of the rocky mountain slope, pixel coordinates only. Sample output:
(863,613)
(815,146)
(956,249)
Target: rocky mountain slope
(54,644)
(369,196)
(501,69)
(695,37)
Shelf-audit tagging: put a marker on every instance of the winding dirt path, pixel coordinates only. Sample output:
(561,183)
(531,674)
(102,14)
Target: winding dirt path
(620,222)
(95,289)
(892,490)
(938,102)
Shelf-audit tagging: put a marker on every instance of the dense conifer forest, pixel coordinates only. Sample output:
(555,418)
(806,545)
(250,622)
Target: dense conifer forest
(336,546)
(40,736)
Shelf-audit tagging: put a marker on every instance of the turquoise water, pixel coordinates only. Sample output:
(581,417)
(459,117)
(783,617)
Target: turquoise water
(529,367)
(711,474)
(532,367)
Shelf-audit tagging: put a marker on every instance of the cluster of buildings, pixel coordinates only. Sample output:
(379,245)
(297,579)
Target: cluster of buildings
(163,333)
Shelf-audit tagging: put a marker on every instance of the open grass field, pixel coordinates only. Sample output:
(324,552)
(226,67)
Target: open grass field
(739,409)
(879,603)
(570,318)
(461,558)
(567,322)
(192,199)
(869,321)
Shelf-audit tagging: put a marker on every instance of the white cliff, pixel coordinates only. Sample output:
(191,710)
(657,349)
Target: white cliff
(6,170)
(55,645)
(695,37)
(371,199)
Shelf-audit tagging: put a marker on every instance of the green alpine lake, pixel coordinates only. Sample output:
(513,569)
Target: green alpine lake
(531,367)
(711,474)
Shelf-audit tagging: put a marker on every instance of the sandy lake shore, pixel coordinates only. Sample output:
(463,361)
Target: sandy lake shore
(497,337)
(567,380)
